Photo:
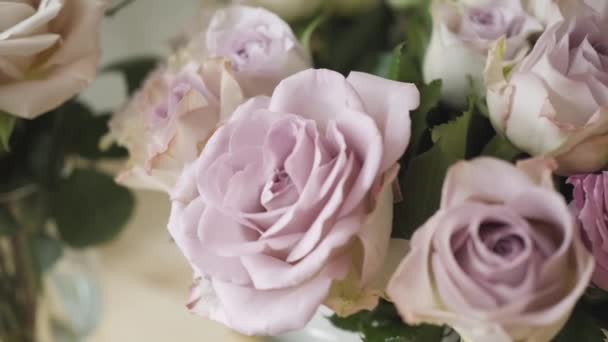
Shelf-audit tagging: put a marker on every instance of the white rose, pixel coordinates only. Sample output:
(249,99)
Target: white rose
(462,36)
(49,51)
(555,102)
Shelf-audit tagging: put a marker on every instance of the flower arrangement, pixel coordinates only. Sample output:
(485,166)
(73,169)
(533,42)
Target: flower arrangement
(423,168)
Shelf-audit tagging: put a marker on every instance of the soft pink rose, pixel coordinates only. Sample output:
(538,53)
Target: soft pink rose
(290,196)
(500,261)
(49,51)
(169,120)
(590,206)
(261,46)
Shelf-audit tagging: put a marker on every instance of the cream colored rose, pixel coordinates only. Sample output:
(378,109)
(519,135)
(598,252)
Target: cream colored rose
(463,32)
(555,102)
(169,120)
(49,51)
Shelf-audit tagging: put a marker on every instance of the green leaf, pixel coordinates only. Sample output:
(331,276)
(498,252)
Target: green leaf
(423,181)
(90,208)
(134,70)
(85,131)
(466,136)
(7,124)
(310,29)
(429,100)
(384,324)
(452,136)
(344,43)
(46,251)
(430,94)
(351,323)
(404,67)
(581,327)
(500,147)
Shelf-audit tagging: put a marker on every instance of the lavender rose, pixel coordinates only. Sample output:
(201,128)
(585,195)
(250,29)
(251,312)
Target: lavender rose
(49,50)
(465,31)
(500,261)
(590,206)
(261,46)
(555,101)
(292,194)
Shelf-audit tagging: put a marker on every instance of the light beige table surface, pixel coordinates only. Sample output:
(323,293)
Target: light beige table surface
(145,283)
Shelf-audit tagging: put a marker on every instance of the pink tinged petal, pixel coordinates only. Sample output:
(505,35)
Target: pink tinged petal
(375,234)
(269,273)
(299,163)
(351,295)
(320,95)
(363,137)
(389,103)
(186,224)
(532,125)
(35,21)
(322,224)
(26,47)
(254,311)
(540,170)
(476,180)
(203,301)
(12,13)
(414,296)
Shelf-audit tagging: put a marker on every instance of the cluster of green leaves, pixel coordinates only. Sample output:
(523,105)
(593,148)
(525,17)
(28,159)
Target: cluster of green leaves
(441,136)
(52,194)
(383,325)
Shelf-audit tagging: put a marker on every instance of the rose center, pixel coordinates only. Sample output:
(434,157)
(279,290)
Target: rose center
(279,191)
(482,17)
(501,240)
(247,51)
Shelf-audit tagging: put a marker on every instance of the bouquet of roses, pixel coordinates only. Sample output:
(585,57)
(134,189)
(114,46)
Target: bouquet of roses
(426,169)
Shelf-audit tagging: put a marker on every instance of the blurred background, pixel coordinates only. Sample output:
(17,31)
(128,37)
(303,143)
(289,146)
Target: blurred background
(142,278)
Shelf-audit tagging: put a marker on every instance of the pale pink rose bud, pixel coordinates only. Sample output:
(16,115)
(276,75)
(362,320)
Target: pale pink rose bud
(261,46)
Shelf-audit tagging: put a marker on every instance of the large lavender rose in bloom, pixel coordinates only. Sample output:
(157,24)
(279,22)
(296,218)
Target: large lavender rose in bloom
(500,261)
(591,208)
(465,31)
(554,102)
(291,195)
(49,51)
(261,46)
